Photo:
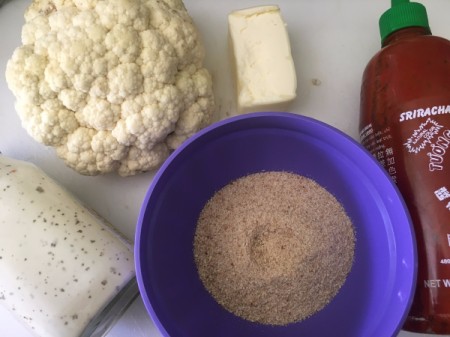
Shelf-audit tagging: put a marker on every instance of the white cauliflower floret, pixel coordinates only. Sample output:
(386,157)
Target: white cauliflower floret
(113,85)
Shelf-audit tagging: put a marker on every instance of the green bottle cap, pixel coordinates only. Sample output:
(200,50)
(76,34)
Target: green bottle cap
(402,14)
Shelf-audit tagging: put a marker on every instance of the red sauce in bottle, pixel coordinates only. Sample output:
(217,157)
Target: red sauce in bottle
(405,123)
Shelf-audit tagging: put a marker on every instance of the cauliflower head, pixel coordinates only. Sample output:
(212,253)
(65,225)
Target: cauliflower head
(113,85)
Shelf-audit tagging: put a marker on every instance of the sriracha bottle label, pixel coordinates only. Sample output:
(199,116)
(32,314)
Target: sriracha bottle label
(413,144)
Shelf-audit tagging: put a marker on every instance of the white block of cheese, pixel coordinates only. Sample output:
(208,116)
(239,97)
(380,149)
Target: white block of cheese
(60,263)
(261,55)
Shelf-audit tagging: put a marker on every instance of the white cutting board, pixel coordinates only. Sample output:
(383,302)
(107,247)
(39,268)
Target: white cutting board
(332,40)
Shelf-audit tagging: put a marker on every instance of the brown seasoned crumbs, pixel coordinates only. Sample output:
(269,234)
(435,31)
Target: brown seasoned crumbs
(273,247)
(316,82)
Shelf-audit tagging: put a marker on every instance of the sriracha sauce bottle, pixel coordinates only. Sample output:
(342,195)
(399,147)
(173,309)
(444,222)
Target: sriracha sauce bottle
(405,124)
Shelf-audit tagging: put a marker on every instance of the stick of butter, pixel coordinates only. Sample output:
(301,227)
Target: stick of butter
(261,55)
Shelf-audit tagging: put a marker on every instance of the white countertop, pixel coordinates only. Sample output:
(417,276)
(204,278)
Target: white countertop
(332,40)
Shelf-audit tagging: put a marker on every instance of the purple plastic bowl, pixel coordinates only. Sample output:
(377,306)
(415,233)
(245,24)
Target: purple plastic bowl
(377,294)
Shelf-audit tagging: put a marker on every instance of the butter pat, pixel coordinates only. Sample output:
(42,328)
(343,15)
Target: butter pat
(262,59)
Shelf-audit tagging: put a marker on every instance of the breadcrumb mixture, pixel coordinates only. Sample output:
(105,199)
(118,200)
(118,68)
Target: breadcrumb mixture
(273,247)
